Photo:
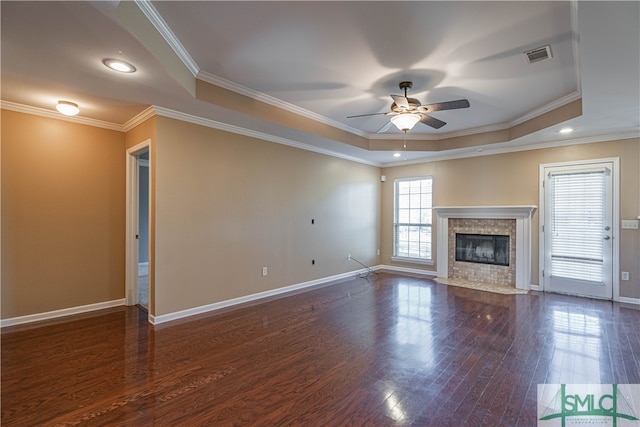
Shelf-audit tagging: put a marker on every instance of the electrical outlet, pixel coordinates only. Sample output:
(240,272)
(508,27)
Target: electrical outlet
(625,275)
(265,271)
(378,252)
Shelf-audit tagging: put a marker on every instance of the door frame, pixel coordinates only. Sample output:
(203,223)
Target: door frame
(615,220)
(132,221)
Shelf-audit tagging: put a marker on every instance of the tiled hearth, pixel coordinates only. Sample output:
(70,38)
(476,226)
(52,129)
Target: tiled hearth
(514,221)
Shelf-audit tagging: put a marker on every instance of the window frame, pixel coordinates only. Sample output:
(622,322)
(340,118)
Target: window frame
(396,224)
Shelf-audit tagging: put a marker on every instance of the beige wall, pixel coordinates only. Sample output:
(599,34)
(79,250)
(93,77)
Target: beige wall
(225,205)
(228,205)
(512,179)
(62,214)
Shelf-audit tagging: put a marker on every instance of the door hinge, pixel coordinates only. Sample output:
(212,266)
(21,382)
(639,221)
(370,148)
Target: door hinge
(542,273)
(137,236)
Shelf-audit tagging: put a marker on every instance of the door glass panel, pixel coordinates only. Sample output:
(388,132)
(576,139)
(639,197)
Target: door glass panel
(578,201)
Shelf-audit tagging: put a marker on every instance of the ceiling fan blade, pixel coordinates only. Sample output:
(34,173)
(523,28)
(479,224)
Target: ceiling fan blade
(365,115)
(431,121)
(449,105)
(385,127)
(401,101)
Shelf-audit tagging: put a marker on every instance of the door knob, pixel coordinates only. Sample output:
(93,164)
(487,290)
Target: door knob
(607,237)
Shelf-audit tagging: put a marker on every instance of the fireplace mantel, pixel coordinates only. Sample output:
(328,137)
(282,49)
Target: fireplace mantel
(521,214)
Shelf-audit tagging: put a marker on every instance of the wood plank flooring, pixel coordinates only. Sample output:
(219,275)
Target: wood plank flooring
(390,350)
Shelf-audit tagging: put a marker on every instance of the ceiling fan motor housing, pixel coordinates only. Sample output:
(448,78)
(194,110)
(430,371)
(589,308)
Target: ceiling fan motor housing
(413,104)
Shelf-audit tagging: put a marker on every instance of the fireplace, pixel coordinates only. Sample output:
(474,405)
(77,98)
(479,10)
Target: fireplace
(482,248)
(512,221)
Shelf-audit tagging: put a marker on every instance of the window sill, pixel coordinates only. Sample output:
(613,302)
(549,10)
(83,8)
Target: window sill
(412,260)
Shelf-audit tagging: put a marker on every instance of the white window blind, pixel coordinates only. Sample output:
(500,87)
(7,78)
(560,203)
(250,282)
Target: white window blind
(577,204)
(413,218)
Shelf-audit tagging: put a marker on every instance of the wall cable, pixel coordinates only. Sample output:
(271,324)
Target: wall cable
(366,274)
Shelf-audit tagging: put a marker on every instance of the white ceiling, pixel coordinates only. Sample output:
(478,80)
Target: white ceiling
(328,60)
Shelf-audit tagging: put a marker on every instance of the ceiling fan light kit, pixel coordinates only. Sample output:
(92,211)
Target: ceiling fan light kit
(407,112)
(405,121)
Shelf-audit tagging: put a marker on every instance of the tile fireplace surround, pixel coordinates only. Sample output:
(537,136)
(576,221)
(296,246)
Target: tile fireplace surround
(521,215)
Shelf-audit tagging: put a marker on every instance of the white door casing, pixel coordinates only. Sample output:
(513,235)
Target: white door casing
(132,220)
(566,264)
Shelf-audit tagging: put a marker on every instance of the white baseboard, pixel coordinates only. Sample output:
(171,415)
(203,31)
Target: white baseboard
(60,313)
(325,281)
(628,300)
(397,269)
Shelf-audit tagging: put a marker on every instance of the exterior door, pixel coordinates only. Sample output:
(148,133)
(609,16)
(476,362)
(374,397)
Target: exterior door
(578,229)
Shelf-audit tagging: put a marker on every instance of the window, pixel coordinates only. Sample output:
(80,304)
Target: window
(577,223)
(412,220)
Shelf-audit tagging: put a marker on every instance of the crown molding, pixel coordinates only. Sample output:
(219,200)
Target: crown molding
(165,112)
(575,43)
(43,112)
(488,150)
(146,114)
(491,128)
(560,102)
(259,96)
(268,99)
(506,147)
(172,40)
(167,34)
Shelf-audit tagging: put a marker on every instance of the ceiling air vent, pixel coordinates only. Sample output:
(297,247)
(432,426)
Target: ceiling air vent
(538,54)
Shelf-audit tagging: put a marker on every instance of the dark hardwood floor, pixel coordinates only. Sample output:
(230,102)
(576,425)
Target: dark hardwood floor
(391,350)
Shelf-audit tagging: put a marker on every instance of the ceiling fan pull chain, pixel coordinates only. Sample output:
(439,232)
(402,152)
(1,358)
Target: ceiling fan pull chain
(404,146)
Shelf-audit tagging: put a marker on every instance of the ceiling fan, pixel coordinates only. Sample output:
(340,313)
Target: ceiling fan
(406,112)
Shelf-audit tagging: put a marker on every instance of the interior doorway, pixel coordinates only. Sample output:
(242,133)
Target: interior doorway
(139,265)
(143,230)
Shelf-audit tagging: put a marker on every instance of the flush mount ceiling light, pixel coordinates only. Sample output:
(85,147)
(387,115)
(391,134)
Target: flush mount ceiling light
(405,121)
(118,65)
(67,108)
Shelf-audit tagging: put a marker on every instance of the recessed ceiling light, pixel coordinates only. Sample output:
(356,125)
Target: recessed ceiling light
(566,130)
(118,65)
(67,108)
(397,154)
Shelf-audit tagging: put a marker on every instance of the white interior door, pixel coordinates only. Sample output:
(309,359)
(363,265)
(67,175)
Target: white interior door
(578,229)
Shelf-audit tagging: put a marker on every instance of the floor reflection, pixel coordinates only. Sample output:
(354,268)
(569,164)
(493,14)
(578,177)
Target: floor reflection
(395,351)
(578,347)
(414,329)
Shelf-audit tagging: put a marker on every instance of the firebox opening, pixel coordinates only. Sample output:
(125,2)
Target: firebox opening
(482,248)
